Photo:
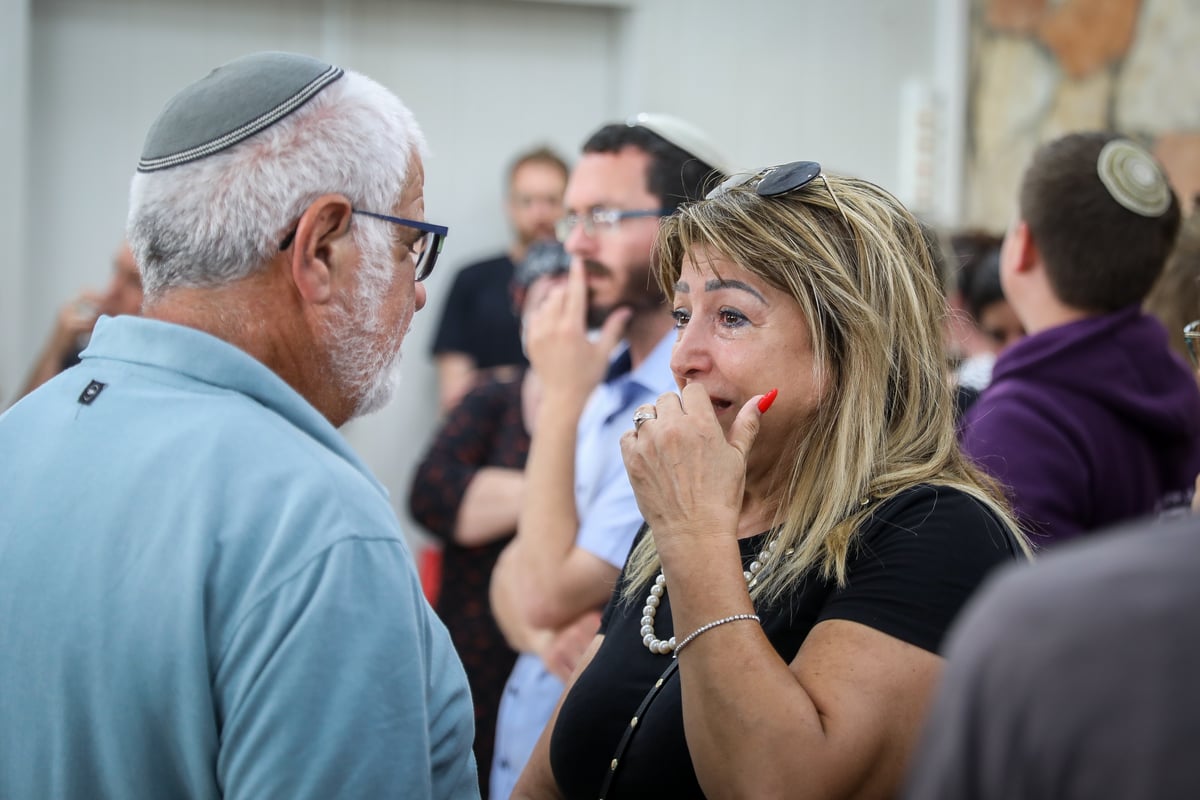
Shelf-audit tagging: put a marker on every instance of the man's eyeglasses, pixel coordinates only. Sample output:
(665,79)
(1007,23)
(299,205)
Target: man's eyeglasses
(1191,338)
(425,249)
(779,180)
(601,220)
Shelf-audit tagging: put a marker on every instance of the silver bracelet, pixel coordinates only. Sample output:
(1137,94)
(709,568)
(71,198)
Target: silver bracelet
(708,627)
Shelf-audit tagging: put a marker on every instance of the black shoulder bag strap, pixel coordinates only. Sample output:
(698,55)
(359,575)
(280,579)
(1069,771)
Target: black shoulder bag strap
(623,745)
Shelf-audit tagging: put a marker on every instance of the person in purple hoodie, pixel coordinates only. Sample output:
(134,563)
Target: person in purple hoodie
(1091,419)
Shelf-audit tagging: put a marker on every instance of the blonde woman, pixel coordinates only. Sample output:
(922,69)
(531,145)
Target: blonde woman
(811,526)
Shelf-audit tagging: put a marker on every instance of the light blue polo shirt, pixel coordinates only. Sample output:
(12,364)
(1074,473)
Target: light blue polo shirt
(608,521)
(204,593)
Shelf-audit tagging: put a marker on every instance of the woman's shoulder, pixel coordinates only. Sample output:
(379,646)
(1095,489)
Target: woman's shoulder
(935,513)
(931,499)
(917,559)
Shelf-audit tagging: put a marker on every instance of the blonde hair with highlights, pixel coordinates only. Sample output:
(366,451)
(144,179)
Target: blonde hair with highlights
(865,281)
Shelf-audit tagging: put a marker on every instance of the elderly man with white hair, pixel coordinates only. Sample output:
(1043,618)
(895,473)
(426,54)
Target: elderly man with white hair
(205,592)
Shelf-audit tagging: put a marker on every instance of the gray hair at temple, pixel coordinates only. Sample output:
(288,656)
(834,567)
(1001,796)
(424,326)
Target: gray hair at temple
(218,217)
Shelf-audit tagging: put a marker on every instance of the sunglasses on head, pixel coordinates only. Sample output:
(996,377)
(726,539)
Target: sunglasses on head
(778,181)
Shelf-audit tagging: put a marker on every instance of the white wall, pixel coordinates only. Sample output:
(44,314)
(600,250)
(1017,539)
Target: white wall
(771,80)
(782,81)
(14,210)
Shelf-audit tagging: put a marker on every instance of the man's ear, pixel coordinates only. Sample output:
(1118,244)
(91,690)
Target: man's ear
(321,244)
(1025,254)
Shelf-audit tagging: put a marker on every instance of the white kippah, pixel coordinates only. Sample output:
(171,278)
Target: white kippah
(1133,178)
(682,134)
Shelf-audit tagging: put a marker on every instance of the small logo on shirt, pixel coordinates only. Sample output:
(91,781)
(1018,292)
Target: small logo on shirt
(92,391)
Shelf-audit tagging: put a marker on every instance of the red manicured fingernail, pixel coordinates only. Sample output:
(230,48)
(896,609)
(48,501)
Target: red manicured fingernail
(767,399)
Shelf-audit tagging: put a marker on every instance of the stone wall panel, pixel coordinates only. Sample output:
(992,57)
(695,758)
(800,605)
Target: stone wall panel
(1159,85)
(1044,68)
(1087,35)
(1080,104)
(1015,16)
(1015,87)
(1179,153)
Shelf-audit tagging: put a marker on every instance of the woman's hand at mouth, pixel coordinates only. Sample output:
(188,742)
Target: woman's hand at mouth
(687,473)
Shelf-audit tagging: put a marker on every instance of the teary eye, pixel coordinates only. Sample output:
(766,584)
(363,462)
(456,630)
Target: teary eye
(731,318)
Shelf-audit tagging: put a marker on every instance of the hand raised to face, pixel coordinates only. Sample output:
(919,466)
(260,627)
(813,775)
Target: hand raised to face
(687,474)
(560,350)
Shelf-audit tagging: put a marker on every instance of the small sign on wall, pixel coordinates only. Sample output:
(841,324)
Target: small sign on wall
(920,143)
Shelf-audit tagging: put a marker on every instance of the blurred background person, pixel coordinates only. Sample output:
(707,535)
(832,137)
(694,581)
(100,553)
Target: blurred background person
(479,328)
(992,315)
(1175,298)
(75,320)
(1090,419)
(467,491)
(963,251)
(1175,302)
(991,310)
(1074,678)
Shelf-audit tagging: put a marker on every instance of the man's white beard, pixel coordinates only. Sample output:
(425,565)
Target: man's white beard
(383,387)
(366,363)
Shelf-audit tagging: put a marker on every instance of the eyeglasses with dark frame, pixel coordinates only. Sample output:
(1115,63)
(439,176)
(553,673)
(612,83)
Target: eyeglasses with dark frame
(601,220)
(425,249)
(779,180)
(1191,338)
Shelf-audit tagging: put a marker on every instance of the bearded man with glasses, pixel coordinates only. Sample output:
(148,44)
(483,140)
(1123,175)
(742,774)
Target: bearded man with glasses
(207,594)
(579,516)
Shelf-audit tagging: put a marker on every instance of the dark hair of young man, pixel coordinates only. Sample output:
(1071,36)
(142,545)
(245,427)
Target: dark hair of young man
(1099,255)
(675,176)
(970,248)
(984,288)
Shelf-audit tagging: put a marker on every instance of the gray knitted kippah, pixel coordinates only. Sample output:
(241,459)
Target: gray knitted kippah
(232,103)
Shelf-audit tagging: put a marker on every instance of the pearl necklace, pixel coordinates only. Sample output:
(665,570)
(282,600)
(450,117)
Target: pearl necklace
(654,599)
